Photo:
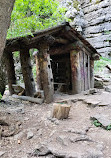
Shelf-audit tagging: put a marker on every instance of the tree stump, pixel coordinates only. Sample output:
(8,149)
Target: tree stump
(60,111)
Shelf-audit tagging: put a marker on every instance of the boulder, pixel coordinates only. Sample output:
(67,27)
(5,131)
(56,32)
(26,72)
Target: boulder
(98,83)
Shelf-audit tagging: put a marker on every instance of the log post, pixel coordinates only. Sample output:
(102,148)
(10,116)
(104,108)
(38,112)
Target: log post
(91,73)
(27,72)
(9,62)
(37,71)
(46,73)
(75,68)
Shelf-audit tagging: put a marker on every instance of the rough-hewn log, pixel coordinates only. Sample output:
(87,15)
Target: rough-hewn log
(46,74)
(27,72)
(61,40)
(91,73)
(60,111)
(9,62)
(37,71)
(95,57)
(75,68)
(27,98)
(62,49)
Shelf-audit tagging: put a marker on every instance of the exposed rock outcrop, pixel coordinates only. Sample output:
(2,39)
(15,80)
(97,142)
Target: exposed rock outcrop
(93,19)
(97,30)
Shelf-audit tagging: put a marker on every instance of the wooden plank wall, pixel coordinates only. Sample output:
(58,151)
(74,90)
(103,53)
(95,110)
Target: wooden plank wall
(81,75)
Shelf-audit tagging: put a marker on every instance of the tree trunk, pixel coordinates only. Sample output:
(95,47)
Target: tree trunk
(6,7)
(2,77)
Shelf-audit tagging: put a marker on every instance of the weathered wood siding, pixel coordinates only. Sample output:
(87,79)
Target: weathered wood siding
(75,67)
(82,71)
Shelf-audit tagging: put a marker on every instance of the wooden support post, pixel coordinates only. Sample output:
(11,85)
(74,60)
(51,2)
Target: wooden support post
(82,70)
(37,71)
(38,74)
(27,72)
(75,67)
(91,73)
(46,74)
(9,62)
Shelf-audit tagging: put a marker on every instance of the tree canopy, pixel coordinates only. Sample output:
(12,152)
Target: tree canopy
(32,15)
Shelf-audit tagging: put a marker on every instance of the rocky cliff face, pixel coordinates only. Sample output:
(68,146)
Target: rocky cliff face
(93,19)
(97,30)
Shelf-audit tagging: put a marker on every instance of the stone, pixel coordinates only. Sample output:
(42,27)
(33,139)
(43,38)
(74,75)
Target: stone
(92,91)
(98,83)
(62,139)
(81,138)
(19,135)
(92,102)
(26,119)
(2,153)
(103,119)
(30,135)
(107,89)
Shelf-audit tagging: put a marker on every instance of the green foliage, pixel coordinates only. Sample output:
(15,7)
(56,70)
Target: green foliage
(107,32)
(108,127)
(96,123)
(76,5)
(0,96)
(99,65)
(31,15)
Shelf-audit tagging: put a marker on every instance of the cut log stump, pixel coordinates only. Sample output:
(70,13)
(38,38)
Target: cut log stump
(60,111)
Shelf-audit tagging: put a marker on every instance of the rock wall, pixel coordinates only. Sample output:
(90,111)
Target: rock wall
(97,30)
(74,13)
(93,19)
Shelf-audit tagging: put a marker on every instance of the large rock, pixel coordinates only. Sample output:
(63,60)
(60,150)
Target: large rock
(98,83)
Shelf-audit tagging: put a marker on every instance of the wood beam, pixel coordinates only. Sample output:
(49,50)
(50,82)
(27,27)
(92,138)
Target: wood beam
(27,72)
(62,49)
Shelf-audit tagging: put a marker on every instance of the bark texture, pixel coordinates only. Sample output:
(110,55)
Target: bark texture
(6,7)
(2,78)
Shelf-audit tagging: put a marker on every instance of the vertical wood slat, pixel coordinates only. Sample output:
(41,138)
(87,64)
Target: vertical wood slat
(91,73)
(9,62)
(75,68)
(86,70)
(82,70)
(46,75)
(27,72)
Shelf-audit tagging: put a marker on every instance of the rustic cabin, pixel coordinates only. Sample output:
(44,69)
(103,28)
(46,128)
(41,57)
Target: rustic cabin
(65,61)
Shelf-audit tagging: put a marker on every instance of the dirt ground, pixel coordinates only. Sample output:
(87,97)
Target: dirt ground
(36,132)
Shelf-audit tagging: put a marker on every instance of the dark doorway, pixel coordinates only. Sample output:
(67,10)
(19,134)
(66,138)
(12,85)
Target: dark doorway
(61,69)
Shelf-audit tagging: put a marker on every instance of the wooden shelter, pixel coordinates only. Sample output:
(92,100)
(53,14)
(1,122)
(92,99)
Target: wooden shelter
(65,61)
